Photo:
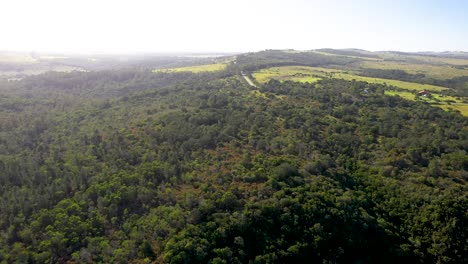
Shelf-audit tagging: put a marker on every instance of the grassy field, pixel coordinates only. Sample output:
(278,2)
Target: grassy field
(435,98)
(291,73)
(444,102)
(434,71)
(402,94)
(312,74)
(396,83)
(197,68)
(463,108)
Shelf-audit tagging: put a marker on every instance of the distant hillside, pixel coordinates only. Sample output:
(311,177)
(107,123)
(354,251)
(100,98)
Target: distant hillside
(350,52)
(444,54)
(270,58)
(21,64)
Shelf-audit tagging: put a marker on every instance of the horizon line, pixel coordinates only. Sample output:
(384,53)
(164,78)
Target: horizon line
(201,52)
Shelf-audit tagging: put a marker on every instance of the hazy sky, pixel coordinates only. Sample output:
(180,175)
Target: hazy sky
(112,26)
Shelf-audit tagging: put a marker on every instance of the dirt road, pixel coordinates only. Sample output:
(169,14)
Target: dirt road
(248,80)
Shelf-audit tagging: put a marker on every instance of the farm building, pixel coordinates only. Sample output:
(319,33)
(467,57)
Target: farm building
(424,93)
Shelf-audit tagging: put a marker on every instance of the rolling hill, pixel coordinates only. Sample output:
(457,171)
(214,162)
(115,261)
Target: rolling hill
(329,157)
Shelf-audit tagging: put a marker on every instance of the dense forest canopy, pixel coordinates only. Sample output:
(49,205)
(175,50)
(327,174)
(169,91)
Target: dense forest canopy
(129,165)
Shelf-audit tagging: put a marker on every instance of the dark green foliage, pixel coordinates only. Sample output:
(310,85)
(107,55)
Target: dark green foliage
(271,58)
(393,75)
(127,165)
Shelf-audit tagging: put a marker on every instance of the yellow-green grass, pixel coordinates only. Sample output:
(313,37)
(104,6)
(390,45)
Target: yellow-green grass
(402,94)
(304,73)
(292,73)
(446,98)
(197,68)
(434,98)
(434,71)
(396,83)
(444,102)
(463,108)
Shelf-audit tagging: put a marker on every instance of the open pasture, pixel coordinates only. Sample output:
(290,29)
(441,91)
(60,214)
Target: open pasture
(433,71)
(313,74)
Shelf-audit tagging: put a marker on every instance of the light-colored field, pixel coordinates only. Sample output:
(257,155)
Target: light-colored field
(396,83)
(292,73)
(402,94)
(312,74)
(434,98)
(463,108)
(444,102)
(434,71)
(197,68)
(446,98)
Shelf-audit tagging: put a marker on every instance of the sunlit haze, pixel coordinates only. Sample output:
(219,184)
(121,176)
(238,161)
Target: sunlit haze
(140,26)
